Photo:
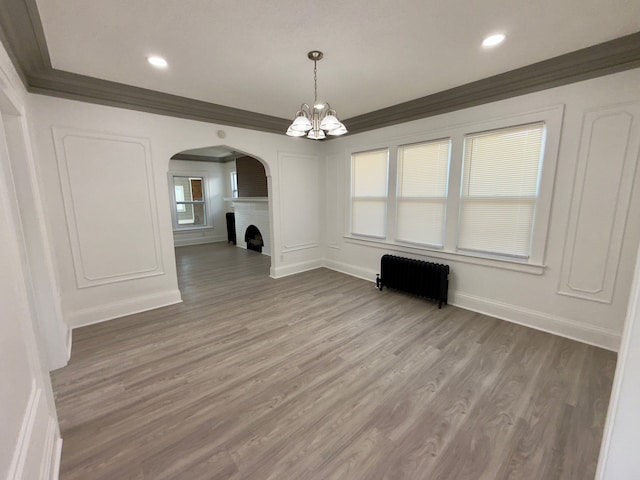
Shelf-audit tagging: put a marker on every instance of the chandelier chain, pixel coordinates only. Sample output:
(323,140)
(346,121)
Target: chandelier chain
(315,82)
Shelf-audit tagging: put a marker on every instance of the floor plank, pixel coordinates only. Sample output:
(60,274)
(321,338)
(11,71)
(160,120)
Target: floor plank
(321,376)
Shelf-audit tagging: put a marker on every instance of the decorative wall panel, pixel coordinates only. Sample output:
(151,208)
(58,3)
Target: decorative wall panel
(607,162)
(300,214)
(110,204)
(331,189)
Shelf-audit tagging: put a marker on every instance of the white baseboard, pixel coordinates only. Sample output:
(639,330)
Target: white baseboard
(50,467)
(286,270)
(57,458)
(102,313)
(38,447)
(21,452)
(363,273)
(564,327)
(185,242)
(69,343)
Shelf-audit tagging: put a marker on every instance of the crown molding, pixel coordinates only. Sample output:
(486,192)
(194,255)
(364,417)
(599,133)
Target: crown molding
(73,86)
(201,158)
(603,59)
(22,35)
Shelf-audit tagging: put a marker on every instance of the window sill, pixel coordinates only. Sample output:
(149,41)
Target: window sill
(505,264)
(191,229)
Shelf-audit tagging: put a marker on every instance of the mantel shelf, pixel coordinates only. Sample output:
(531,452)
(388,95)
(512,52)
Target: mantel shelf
(248,199)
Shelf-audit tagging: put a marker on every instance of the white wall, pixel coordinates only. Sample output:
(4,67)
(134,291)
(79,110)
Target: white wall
(619,458)
(82,150)
(594,230)
(216,229)
(30,443)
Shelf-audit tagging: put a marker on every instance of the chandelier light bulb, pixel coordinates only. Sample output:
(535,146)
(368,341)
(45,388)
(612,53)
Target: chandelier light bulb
(295,133)
(316,134)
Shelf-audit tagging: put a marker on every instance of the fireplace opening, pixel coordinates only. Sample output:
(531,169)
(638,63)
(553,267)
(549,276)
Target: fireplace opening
(253,237)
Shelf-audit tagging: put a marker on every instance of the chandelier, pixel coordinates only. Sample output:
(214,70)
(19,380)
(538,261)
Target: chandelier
(314,122)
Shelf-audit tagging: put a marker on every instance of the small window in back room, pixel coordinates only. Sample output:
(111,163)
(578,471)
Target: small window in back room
(234,185)
(190,208)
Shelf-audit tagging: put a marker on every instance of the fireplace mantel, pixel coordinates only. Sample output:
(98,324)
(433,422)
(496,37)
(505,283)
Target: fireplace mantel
(248,199)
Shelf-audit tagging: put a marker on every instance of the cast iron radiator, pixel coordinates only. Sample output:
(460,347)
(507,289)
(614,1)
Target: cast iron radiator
(425,279)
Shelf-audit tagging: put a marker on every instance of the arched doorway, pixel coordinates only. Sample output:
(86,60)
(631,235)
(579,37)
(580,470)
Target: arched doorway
(208,184)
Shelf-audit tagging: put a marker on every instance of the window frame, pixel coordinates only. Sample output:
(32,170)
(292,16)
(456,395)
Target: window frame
(551,116)
(419,199)
(385,197)
(532,199)
(208,223)
(233,176)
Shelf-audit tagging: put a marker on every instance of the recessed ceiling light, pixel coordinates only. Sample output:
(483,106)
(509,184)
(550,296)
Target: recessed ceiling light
(157,62)
(493,40)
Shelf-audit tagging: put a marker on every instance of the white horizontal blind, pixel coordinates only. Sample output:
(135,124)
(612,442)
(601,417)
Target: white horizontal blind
(423,170)
(499,189)
(369,172)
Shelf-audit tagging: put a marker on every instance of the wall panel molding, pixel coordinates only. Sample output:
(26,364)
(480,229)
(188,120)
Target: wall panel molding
(605,173)
(299,176)
(94,168)
(331,199)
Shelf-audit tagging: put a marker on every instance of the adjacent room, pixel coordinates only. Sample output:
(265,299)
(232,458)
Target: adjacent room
(348,240)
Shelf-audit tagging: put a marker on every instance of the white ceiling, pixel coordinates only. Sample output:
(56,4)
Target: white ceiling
(252,54)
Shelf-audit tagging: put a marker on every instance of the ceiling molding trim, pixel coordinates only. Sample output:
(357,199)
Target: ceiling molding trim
(603,59)
(201,158)
(22,35)
(73,86)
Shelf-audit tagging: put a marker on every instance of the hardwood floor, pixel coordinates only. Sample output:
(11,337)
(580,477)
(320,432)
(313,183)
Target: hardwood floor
(321,376)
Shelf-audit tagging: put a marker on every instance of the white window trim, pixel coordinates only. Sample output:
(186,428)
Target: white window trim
(385,198)
(207,200)
(552,117)
(398,240)
(233,178)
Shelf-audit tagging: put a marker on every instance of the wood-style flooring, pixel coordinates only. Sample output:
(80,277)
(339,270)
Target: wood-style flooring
(321,376)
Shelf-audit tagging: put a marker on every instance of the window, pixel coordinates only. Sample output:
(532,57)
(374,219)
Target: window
(369,192)
(234,185)
(423,170)
(500,179)
(190,205)
(481,193)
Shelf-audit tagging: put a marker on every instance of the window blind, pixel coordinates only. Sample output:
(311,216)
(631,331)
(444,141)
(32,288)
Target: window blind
(423,170)
(499,189)
(369,172)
